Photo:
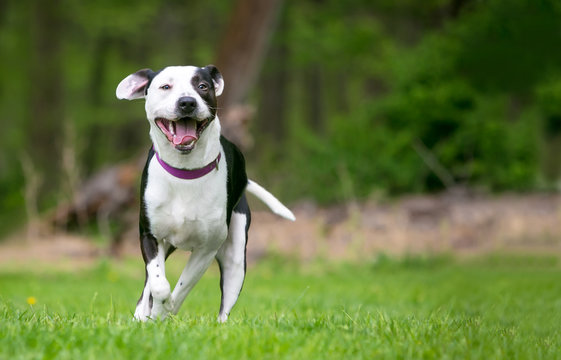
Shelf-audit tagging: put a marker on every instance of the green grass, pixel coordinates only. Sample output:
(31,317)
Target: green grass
(489,308)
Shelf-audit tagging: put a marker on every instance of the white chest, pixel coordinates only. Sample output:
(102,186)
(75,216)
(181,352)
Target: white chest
(188,214)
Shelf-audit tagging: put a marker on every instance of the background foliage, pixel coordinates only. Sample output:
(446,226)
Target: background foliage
(350,97)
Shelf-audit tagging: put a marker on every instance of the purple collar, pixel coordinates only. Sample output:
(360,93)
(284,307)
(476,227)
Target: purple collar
(189,174)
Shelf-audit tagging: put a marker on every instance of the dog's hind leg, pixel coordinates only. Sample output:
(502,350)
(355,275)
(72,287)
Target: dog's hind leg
(231,259)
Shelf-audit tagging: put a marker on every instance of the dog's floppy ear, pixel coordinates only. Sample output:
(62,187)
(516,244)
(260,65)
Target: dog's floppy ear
(216,79)
(134,86)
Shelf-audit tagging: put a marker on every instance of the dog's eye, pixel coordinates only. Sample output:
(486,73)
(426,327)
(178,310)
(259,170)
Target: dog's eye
(203,87)
(165,87)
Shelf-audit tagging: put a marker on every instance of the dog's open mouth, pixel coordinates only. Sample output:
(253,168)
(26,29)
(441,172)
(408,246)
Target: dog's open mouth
(182,133)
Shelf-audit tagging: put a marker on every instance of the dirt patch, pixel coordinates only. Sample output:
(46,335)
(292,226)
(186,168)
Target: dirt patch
(62,250)
(414,225)
(410,225)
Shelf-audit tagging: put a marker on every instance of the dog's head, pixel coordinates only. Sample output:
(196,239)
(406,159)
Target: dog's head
(180,101)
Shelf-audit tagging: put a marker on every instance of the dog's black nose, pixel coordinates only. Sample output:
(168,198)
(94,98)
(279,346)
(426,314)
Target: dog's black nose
(186,104)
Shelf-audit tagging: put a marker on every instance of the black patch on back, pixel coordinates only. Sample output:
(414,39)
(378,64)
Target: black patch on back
(237,178)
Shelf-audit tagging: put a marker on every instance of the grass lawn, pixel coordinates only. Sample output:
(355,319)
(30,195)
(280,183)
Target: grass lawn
(499,307)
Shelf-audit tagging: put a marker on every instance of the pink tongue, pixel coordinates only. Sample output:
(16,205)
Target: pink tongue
(185,132)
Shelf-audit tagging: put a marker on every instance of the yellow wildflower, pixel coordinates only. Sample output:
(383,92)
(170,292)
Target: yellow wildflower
(31,300)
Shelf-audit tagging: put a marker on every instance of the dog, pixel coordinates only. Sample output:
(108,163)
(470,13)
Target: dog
(192,194)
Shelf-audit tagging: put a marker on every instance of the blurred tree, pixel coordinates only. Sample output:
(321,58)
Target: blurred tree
(440,72)
(549,101)
(243,46)
(46,109)
(347,88)
(273,87)
(239,57)
(509,46)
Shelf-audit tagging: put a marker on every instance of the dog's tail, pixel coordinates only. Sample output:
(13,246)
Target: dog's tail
(272,202)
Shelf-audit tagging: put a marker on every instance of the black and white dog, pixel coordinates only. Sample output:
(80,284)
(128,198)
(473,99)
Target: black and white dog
(192,189)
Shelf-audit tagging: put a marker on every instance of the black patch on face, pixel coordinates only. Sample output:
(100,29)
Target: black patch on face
(203,78)
(151,75)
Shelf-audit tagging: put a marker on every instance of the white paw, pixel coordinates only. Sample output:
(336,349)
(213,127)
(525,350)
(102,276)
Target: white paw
(222,318)
(140,313)
(140,317)
(161,309)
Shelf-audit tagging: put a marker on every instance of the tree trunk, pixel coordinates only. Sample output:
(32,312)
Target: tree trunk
(97,77)
(239,58)
(242,49)
(273,97)
(44,127)
(313,87)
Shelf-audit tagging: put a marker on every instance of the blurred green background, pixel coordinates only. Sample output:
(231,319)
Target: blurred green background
(352,99)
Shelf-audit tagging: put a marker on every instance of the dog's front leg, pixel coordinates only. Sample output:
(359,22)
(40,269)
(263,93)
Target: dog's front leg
(198,263)
(159,285)
(155,300)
